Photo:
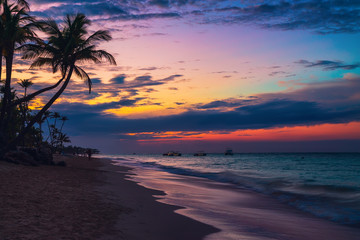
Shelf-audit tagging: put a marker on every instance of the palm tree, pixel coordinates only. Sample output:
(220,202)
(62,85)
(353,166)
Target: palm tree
(61,139)
(40,122)
(63,119)
(55,116)
(21,3)
(34,94)
(66,47)
(25,83)
(46,116)
(16,28)
(1,43)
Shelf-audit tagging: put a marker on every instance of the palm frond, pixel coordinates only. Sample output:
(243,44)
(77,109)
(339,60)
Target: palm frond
(105,55)
(24,3)
(40,62)
(100,35)
(83,75)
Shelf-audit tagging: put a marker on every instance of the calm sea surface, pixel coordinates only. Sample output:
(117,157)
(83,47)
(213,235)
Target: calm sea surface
(325,185)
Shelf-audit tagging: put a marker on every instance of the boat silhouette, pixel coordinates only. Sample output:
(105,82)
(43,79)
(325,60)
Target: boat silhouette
(200,153)
(172,153)
(229,152)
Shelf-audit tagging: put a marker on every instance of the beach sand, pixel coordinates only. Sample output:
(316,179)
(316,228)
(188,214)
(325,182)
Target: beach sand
(85,200)
(240,213)
(96,200)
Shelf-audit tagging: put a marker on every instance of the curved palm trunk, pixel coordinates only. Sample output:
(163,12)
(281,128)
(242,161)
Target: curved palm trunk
(38,116)
(31,96)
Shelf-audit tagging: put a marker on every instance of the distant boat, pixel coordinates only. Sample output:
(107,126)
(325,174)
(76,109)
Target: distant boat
(200,153)
(229,152)
(172,153)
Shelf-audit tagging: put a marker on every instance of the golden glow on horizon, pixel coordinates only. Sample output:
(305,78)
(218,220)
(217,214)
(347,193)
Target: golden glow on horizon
(299,133)
(142,111)
(103,98)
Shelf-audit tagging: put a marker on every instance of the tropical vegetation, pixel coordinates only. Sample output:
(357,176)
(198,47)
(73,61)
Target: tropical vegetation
(67,46)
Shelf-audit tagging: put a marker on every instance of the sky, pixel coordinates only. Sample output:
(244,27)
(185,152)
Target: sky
(255,76)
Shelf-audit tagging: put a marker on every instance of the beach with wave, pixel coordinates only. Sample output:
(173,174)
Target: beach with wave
(258,196)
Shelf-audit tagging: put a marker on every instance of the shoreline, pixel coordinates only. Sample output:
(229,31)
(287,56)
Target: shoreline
(86,200)
(147,218)
(97,199)
(239,213)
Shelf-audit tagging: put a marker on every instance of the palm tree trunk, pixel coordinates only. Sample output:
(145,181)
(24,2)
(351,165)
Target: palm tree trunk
(48,125)
(9,63)
(1,49)
(38,116)
(62,125)
(7,97)
(24,112)
(41,137)
(31,96)
(2,111)
(55,122)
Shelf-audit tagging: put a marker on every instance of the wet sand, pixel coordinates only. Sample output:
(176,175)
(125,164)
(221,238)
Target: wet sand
(85,200)
(240,213)
(95,200)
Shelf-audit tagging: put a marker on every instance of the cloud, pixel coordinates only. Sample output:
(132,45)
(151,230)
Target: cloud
(98,11)
(143,78)
(275,113)
(328,65)
(119,87)
(322,17)
(276,73)
(77,108)
(129,102)
(88,8)
(141,81)
(171,78)
(146,81)
(170,3)
(316,103)
(149,69)
(96,80)
(119,79)
(222,104)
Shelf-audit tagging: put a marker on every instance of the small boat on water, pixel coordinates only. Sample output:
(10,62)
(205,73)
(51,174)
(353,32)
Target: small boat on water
(229,152)
(200,153)
(172,153)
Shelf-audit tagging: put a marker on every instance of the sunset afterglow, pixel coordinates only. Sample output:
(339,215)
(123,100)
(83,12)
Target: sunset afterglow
(220,71)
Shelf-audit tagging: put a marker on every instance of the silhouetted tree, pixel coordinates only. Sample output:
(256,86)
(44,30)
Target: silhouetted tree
(24,109)
(65,47)
(17,27)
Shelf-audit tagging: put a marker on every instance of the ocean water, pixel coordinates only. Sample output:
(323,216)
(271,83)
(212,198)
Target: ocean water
(326,185)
